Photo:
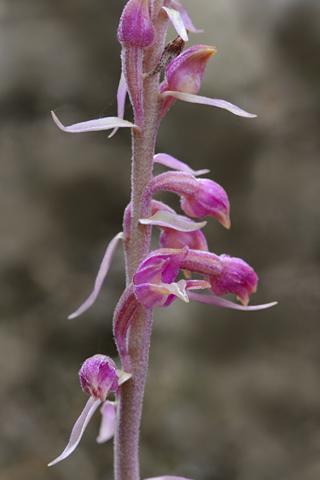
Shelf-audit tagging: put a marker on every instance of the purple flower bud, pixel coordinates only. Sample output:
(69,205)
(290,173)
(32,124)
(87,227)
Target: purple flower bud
(135,27)
(210,199)
(199,197)
(99,376)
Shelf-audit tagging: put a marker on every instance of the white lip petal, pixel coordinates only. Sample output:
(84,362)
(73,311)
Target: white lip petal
(171,162)
(78,429)
(103,270)
(177,22)
(222,302)
(96,125)
(108,421)
(213,102)
(172,220)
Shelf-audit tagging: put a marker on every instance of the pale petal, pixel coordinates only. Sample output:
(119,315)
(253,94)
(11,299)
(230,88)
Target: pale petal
(167,477)
(94,125)
(78,429)
(174,163)
(185,17)
(222,302)
(213,102)
(123,376)
(121,100)
(177,22)
(178,289)
(103,270)
(108,422)
(172,220)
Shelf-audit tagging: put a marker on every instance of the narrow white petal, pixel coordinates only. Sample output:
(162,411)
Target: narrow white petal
(166,219)
(78,429)
(213,102)
(168,477)
(96,125)
(103,270)
(222,302)
(108,421)
(177,22)
(121,100)
(171,162)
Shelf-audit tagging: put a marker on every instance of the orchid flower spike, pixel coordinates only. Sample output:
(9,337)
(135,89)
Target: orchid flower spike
(99,376)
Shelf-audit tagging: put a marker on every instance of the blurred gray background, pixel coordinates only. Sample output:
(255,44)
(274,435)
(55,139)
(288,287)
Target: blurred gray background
(230,395)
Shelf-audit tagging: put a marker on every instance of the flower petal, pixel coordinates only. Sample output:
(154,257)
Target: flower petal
(108,422)
(121,100)
(213,102)
(78,429)
(177,22)
(96,125)
(185,17)
(174,163)
(222,302)
(168,477)
(172,220)
(103,270)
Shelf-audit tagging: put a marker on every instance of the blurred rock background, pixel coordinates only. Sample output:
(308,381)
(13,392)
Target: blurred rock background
(230,395)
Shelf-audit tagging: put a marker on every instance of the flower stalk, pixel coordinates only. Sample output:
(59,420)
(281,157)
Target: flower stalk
(151,277)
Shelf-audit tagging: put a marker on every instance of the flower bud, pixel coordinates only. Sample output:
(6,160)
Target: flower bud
(185,73)
(135,27)
(210,199)
(99,376)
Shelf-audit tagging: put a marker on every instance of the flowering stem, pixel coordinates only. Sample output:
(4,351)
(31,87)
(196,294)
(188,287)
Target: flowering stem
(130,397)
(137,247)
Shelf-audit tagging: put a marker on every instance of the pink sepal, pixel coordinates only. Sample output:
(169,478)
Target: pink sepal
(103,270)
(172,220)
(121,100)
(177,22)
(175,164)
(222,302)
(108,421)
(94,125)
(195,240)
(213,102)
(185,17)
(79,428)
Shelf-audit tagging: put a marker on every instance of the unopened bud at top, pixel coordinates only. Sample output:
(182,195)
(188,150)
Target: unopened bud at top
(185,73)
(135,27)
(99,376)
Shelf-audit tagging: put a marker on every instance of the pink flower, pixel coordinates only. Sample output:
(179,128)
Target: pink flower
(199,197)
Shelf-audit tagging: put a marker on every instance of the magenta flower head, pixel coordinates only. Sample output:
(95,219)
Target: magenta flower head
(135,27)
(210,199)
(99,376)
(238,278)
(224,273)
(185,73)
(199,197)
